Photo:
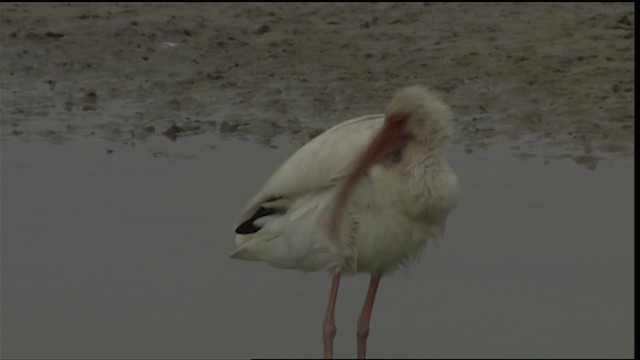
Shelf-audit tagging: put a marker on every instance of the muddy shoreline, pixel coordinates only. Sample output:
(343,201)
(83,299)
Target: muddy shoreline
(555,78)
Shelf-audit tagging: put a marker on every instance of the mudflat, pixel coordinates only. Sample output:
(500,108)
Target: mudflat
(558,75)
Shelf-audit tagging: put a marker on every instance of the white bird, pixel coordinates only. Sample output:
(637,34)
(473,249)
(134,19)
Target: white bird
(364,196)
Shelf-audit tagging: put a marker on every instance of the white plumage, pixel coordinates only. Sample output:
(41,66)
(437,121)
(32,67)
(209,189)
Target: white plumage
(380,181)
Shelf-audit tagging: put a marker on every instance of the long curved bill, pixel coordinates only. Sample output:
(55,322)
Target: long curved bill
(384,142)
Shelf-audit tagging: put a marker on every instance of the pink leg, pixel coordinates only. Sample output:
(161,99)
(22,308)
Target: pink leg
(365,316)
(329,325)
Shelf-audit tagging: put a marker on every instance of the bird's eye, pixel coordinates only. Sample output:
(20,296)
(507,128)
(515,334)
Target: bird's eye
(401,121)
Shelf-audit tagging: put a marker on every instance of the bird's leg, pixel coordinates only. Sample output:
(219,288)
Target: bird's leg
(365,315)
(329,325)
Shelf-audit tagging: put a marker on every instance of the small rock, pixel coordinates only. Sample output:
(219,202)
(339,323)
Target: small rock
(52,34)
(227,127)
(261,30)
(91,97)
(172,132)
(625,21)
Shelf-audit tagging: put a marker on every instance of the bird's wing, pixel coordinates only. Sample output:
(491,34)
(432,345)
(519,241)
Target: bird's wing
(319,164)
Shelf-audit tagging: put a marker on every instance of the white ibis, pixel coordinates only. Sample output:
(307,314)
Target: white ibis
(364,196)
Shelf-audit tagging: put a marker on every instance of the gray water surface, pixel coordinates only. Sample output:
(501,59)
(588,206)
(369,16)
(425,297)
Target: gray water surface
(124,254)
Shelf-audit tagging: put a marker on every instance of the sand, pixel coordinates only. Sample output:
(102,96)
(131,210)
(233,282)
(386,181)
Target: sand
(556,78)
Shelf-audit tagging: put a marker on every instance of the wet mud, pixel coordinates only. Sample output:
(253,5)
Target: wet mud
(556,78)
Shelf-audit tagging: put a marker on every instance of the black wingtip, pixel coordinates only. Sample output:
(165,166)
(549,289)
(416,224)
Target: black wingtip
(247,227)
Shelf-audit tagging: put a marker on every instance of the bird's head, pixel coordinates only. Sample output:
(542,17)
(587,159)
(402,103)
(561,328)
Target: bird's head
(417,113)
(414,114)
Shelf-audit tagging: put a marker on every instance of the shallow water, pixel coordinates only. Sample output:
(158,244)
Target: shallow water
(115,240)
(121,251)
